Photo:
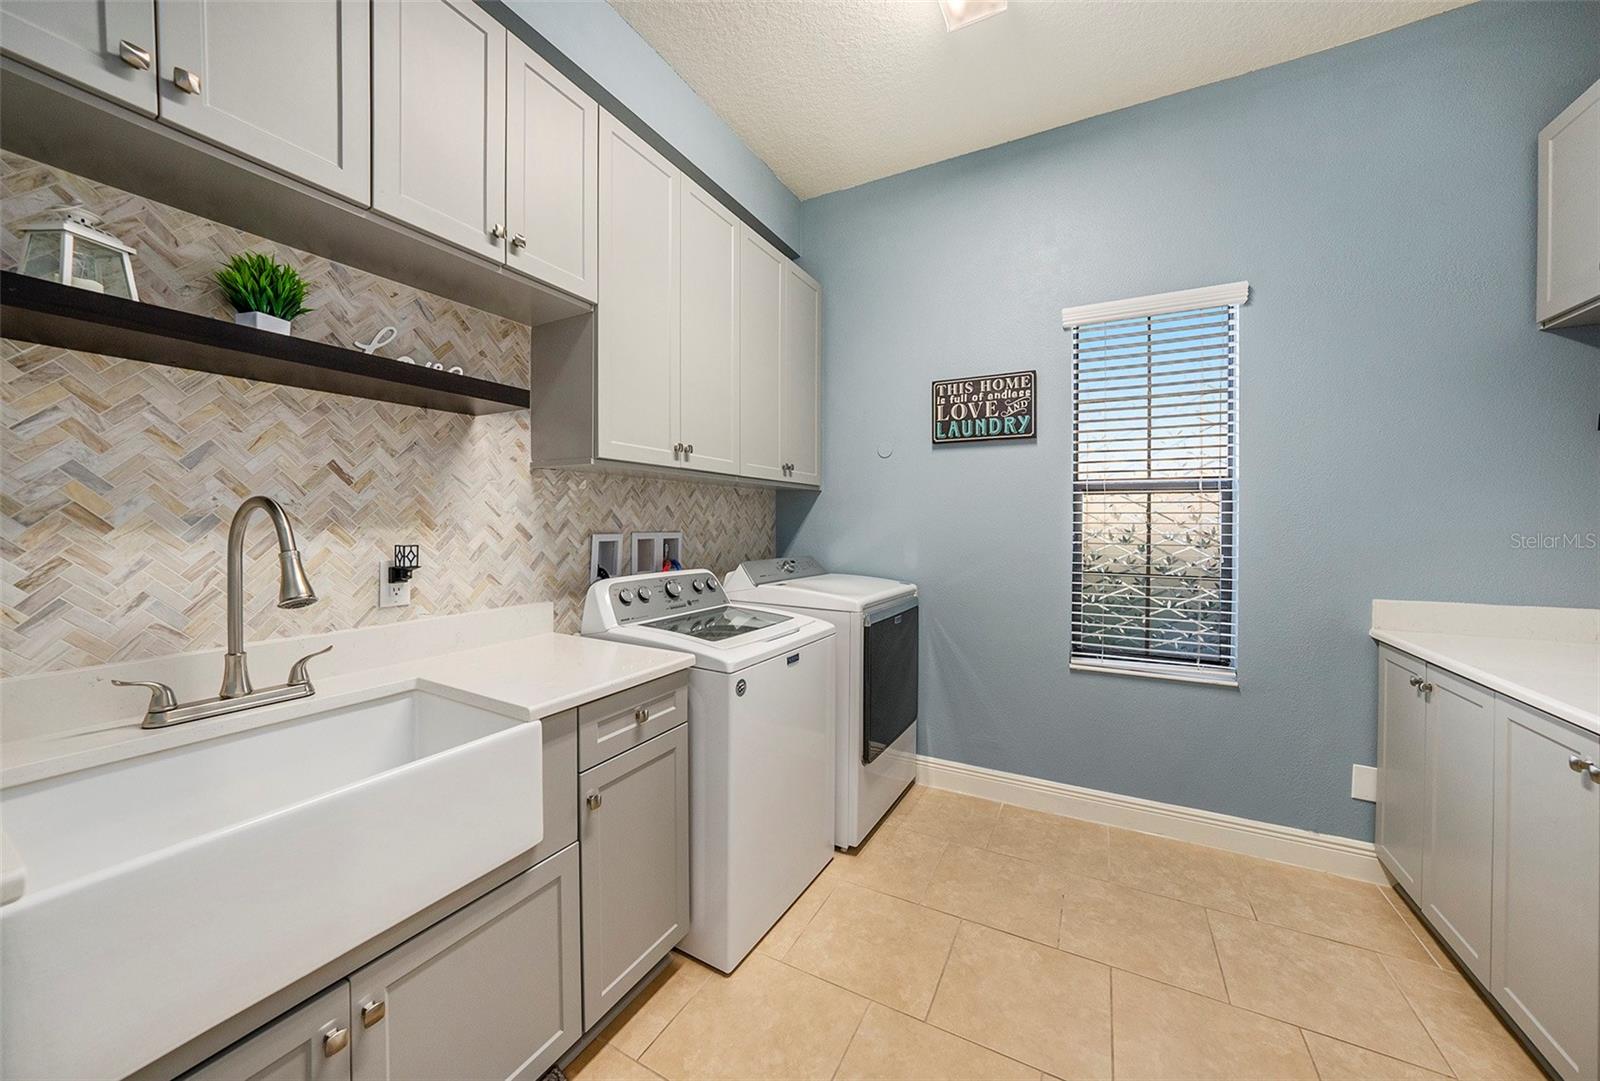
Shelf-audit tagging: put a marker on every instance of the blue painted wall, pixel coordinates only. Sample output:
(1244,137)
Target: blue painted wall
(1401,418)
(602,43)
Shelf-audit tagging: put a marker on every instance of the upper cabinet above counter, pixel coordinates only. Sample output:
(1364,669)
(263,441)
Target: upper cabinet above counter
(1569,216)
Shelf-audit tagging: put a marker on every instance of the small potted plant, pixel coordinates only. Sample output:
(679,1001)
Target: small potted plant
(265,293)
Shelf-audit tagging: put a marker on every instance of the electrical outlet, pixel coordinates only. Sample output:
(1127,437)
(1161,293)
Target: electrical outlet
(391,594)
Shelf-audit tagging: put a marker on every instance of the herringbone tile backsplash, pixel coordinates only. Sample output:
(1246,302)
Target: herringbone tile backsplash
(118,478)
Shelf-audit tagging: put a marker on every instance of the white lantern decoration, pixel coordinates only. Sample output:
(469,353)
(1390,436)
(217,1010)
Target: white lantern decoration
(63,245)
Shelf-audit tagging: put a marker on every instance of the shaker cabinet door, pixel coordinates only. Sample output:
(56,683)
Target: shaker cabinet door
(1457,859)
(552,183)
(637,329)
(634,827)
(1402,747)
(802,344)
(289,85)
(761,273)
(708,381)
(491,992)
(108,47)
(1568,274)
(1547,886)
(439,120)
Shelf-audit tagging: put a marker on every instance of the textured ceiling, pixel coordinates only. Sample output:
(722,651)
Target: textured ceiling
(833,93)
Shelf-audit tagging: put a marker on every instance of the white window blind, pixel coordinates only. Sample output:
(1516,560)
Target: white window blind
(1155,424)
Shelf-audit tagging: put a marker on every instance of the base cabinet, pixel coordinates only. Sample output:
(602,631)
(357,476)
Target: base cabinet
(1546,969)
(1402,745)
(634,832)
(490,992)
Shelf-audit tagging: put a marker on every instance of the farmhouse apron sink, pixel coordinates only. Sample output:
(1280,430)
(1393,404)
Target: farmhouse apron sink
(165,893)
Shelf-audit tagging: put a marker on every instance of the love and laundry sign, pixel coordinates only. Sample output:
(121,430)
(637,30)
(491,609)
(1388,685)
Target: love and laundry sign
(984,407)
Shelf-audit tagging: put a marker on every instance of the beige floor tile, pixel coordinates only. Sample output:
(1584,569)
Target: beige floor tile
(776,942)
(1473,1040)
(1067,844)
(1029,1002)
(642,1021)
(1005,893)
(602,1062)
(890,1046)
(1423,935)
(894,860)
(1128,929)
(1329,987)
(1329,906)
(1161,1032)
(879,946)
(767,1020)
(1194,873)
(951,816)
(1339,1061)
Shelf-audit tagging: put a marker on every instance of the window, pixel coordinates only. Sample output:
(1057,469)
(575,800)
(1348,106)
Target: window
(1154,493)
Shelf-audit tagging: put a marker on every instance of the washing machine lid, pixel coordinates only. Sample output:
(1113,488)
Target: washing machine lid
(802,583)
(786,633)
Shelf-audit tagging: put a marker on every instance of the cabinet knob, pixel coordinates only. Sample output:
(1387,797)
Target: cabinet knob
(688,449)
(1579,764)
(1426,687)
(335,1041)
(1415,681)
(498,231)
(133,56)
(519,241)
(642,714)
(186,80)
(593,801)
(1594,772)
(373,1012)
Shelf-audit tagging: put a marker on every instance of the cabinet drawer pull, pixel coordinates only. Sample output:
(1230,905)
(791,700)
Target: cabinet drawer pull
(498,231)
(373,1012)
(593,801)
(1594,773)
(186,80)
(1415,681)
(1426,687)
(133,56)
(642,714)
(335,1041)
(519,241)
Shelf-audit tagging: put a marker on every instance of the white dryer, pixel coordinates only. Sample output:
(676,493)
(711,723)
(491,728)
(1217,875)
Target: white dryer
(876,658)
(760,747)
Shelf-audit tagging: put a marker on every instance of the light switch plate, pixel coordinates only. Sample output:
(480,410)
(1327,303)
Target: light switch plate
(1364,783)
(391,594)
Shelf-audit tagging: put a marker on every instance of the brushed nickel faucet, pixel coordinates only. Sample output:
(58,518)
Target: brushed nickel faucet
(294,591)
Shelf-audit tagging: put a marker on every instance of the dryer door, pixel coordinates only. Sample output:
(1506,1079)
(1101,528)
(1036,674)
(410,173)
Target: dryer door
(889,678)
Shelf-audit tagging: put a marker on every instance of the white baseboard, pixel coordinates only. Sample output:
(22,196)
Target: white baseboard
(1285,844)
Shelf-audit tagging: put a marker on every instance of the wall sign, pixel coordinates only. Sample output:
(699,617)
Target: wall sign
(985,407)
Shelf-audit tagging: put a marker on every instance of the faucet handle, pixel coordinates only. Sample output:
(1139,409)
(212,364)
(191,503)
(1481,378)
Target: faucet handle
(161,697)
(298,676)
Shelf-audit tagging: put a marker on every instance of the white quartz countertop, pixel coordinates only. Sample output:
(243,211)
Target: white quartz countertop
(1552,664)
(526,678)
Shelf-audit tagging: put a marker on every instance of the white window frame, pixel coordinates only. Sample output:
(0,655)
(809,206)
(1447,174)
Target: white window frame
(1232,294)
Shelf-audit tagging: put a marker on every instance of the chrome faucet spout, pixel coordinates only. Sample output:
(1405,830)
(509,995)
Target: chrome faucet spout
(294,587)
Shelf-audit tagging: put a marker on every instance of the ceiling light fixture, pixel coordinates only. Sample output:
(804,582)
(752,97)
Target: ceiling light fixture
(959,13)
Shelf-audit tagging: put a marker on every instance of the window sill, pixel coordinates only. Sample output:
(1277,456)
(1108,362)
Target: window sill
(1221,678)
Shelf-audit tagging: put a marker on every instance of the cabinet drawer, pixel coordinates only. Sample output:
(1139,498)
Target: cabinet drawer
(614,724)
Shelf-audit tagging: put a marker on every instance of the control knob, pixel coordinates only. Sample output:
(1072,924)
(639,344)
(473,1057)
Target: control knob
(674,590)
(699,585)
(645,593)
(625,596)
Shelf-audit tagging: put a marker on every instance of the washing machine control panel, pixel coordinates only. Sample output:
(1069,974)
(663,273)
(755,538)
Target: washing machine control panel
(639,599)
(764,571)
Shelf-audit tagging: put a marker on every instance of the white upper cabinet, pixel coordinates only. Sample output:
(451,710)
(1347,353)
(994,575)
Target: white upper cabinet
(289,85)
(107,47)
(708,382)
(761,274)
(637,331)
(801,386)
(439,120)
(552,186)
(1569,215)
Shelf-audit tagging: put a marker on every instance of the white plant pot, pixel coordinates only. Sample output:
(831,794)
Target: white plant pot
(262,321)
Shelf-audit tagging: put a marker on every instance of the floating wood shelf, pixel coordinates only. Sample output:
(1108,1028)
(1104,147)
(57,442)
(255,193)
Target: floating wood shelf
(49,313)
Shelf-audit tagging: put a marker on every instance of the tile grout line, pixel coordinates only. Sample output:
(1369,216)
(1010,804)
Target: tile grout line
(1307,1045)
(712,974)
(837,1066)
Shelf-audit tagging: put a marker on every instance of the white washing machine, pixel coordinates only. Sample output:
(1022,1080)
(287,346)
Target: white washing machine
(876,659)
(760,747)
